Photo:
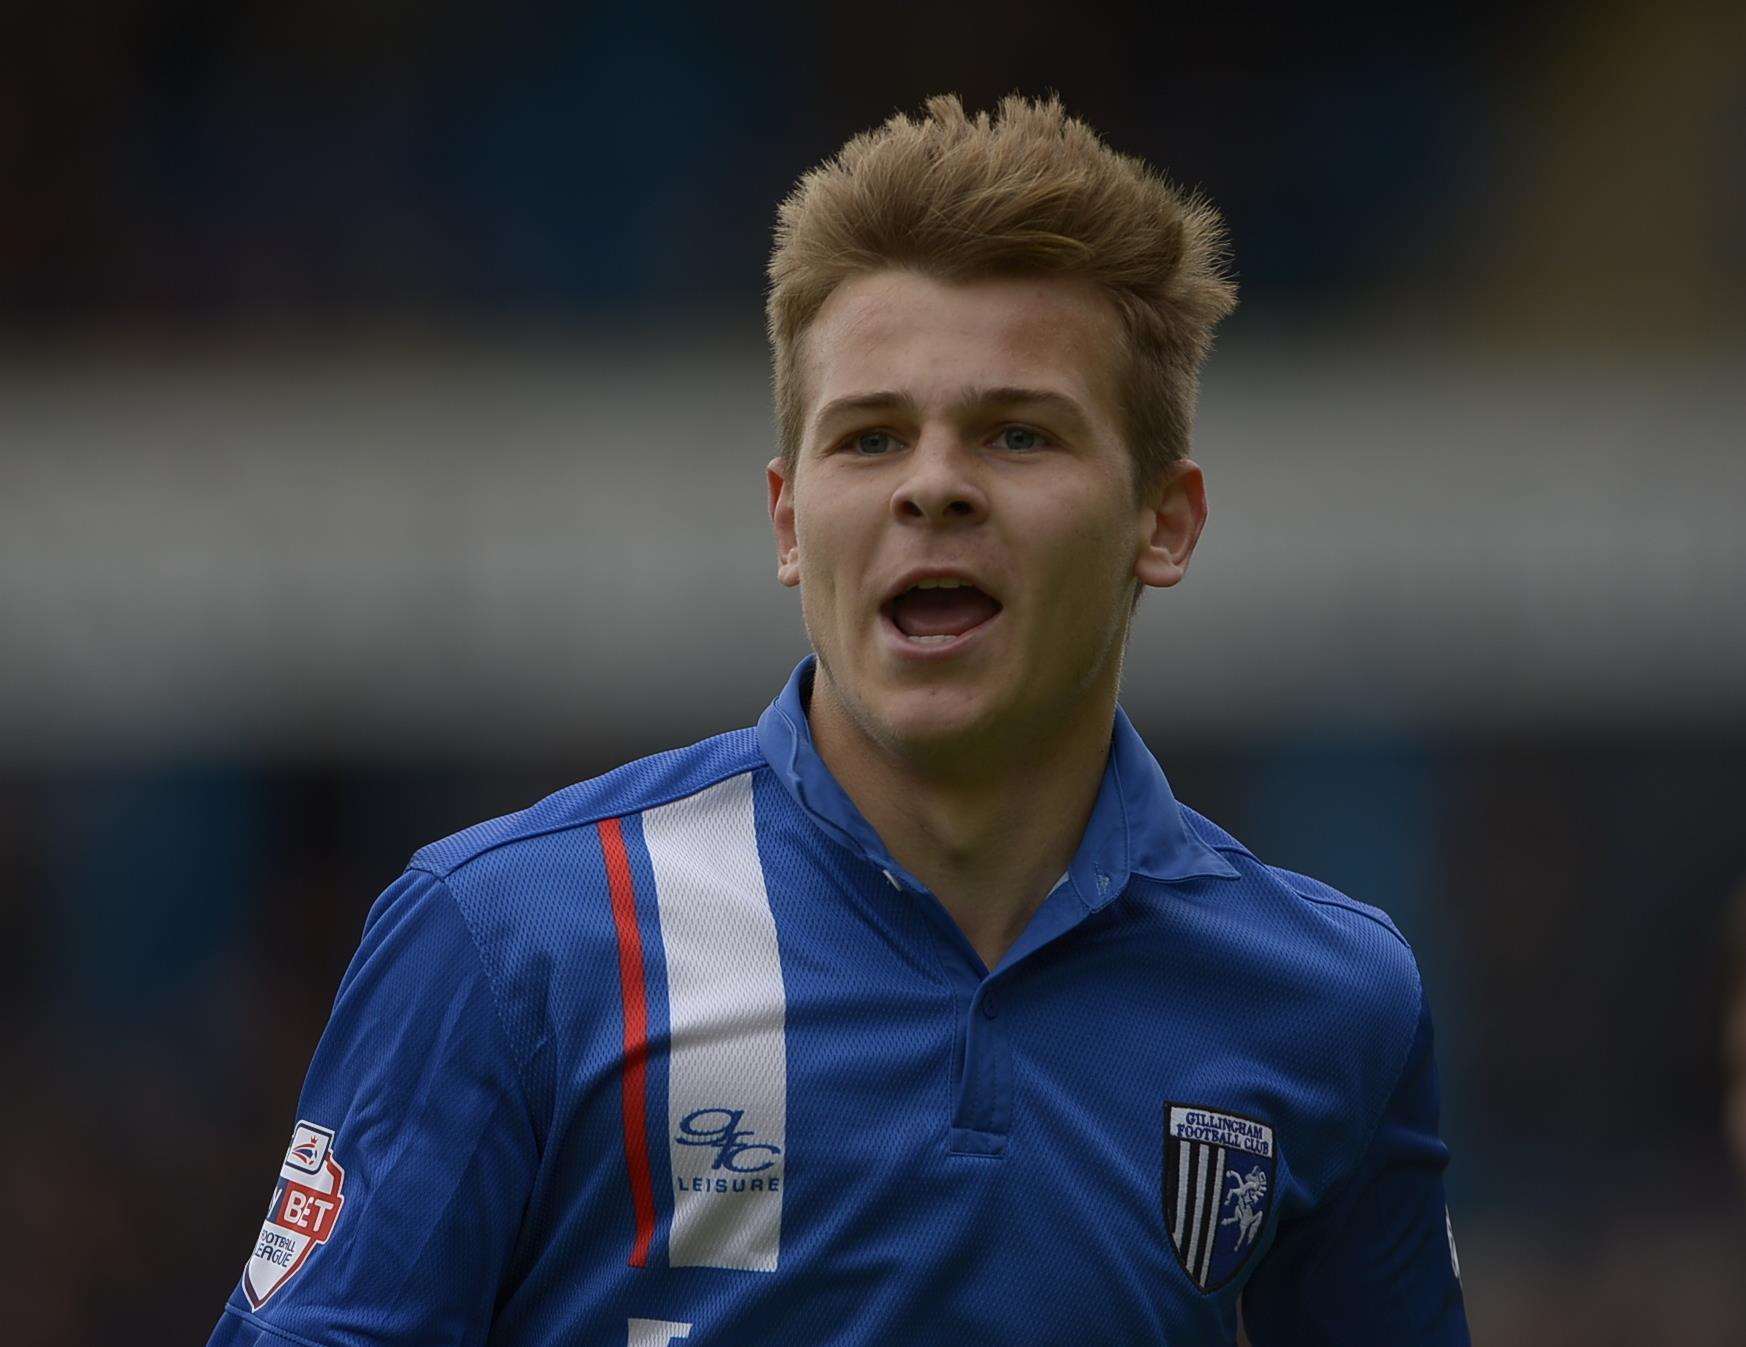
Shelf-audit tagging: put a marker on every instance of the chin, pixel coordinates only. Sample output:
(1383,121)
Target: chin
(910,711)
(919,716)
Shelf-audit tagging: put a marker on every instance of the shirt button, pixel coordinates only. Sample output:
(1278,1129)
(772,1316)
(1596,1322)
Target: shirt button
(988,1008)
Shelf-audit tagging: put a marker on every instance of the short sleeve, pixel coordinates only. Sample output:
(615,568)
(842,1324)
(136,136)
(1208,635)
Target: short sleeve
(1374,1265)
(395,1213)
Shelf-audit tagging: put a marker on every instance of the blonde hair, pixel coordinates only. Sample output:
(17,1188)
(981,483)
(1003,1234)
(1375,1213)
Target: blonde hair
(1027,192)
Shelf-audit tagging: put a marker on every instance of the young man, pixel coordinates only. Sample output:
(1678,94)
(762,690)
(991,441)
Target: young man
(921,1013)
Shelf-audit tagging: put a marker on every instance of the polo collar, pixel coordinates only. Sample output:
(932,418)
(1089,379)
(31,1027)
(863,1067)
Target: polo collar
(1136,826)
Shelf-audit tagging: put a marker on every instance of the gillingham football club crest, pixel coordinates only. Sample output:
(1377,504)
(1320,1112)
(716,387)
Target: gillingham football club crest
(306,1206)
(1218,1187)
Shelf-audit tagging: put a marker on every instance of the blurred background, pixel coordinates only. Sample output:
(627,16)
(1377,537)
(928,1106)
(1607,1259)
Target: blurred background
(383,406)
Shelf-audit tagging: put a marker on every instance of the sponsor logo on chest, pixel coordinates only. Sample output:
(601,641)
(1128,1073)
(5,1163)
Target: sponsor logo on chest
(739,1161)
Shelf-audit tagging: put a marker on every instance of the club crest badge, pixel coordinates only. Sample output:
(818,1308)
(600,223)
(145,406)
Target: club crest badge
(306,1206)
(1219,1171)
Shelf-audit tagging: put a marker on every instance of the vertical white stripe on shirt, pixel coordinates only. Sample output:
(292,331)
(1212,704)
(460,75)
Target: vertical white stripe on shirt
(727,1013)
(1200,1159)
(1212,1221)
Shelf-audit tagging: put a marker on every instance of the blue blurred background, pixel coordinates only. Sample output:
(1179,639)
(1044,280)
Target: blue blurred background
(383,406)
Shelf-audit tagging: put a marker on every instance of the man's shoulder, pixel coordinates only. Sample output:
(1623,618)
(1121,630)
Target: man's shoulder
(541,890)
(1329,991)
(1311,934)
(541,895)
(644,783)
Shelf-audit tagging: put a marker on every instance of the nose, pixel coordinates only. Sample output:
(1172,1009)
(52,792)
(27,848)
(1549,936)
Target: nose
(940,484)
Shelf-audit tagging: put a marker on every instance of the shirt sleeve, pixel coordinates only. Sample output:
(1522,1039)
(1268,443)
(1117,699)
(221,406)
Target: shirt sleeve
(1374,1265)
(401,1196)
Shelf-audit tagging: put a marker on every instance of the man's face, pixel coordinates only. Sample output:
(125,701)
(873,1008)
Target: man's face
(969,427)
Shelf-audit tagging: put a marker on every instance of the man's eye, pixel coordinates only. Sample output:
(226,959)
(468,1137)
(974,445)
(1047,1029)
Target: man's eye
(870,442)
(1020,438)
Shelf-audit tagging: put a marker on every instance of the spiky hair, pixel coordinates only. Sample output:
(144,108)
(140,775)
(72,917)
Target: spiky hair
(1029,191)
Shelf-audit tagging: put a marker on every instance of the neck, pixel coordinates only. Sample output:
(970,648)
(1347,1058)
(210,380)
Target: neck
(990,836)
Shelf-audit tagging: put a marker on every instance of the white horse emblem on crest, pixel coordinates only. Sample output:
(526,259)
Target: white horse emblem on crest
(1246,1191)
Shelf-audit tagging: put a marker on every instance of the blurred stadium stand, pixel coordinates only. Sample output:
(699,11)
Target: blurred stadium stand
(382,414)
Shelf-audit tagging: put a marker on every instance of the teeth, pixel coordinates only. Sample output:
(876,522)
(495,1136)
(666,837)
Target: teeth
(933,640)
(943,583)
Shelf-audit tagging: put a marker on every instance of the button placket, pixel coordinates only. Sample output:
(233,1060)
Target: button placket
(983,1114)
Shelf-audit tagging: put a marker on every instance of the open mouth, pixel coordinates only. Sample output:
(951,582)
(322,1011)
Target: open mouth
(939,614)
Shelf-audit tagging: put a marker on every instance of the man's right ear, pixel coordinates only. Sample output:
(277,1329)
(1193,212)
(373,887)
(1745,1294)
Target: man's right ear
(781,493)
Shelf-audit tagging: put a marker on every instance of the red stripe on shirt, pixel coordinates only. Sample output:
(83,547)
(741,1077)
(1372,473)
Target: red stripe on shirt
(636,1036)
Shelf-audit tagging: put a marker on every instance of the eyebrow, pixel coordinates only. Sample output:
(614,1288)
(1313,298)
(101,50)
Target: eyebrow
(968,398)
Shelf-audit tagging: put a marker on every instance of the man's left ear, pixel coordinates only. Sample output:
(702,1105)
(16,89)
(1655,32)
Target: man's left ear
(1175,514)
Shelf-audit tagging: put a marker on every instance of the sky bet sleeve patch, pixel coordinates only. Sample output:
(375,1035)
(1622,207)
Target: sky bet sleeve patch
(306,1206)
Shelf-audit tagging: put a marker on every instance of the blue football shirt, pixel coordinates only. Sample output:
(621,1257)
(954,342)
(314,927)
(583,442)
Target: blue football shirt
(683,1055)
